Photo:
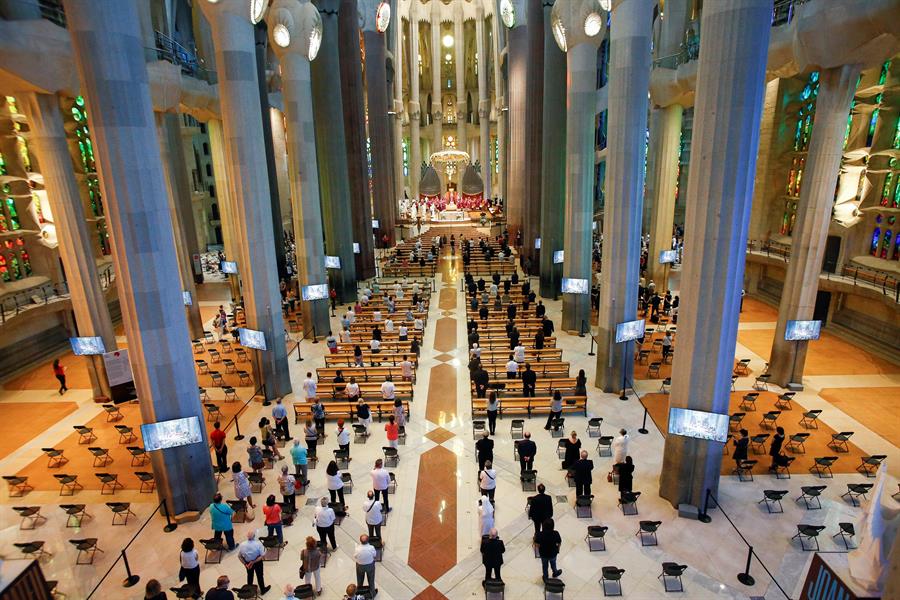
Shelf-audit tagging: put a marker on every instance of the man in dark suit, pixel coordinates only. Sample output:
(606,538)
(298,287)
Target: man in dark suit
(511,311)
(481,379)
(527,450)
(583,479)
(529,380)
(548,327)
(492,550)
(540,310)
(540,507)
(483,312)
(485,450)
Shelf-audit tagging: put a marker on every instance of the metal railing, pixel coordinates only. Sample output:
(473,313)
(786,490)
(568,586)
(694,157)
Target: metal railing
(169,50)
(859,276)
(45,293)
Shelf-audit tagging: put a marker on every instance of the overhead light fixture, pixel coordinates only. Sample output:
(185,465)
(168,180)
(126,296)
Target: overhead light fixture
(507,13)
(447,40)
(593,24)
(315,38)
(606,5)
(257,10)
(383,17)
(559,33)
(448,57)
(281,35)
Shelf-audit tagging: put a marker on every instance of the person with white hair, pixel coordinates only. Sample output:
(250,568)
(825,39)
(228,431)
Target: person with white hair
(492,550)
(485,515)
(251,554)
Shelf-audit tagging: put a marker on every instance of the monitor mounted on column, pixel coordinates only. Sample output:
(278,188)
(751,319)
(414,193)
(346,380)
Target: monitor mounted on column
(559,257)
(87,346)
(629,330)
(229,267)
(698,424)
(796,331)
(537,243)
(575,286)
(251,338)
(668,256)
(314,292)
(171,434)
(333,262)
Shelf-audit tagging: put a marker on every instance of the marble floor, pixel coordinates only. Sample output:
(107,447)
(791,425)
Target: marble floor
(432,537)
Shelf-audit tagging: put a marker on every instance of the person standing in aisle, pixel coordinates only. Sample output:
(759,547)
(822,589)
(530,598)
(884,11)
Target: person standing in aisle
(59,372)
(251,553)
(381,481)
(324,519)
(374,516)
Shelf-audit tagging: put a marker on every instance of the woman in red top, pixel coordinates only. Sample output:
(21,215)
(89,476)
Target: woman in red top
(60,372)
(393,432)
(272,511)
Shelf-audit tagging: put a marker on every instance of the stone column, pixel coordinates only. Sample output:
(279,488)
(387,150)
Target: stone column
(242,123)
(462,105)
(629,80)
(76,247)
(353,101)
(20,10)
(553,163)
(823,161)
(437,109)
(484,103)
(665,141)
(225,198)
(399,107)
(534,106)
(581,103)
(517,66)
(179,195)
(331,151)
(106,41)
(730,80)
(500,105)
(300,138)
(415,107)
(384,196)
(279,146)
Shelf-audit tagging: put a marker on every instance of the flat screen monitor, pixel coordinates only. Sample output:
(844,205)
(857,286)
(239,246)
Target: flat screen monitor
(375,224)
(251,338)
(355,247)
(186,296)
(668,256)
(314,292)
(575,286)
(594,226)
(537,243)
(558,257)
(87,346)
(698,424)
(332,262)
(229,267)
(171,434)
(629,330)
(796,331)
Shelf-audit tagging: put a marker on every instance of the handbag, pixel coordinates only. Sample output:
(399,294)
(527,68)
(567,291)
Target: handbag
(609,477)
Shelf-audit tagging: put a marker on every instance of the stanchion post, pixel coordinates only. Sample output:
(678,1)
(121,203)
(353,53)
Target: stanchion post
(581,329)
(591,353)
(745,577)
(315,341)
(704,517)
(643,429)
(131,579)
(170,526)
(624,395)
(299,358)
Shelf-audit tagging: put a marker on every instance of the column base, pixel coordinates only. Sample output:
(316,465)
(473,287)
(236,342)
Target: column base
(794,387)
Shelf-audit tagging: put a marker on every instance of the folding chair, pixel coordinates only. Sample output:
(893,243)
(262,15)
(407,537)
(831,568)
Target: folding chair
(272,547)
(209,338)
(55,458)
(391,456)
(120,512)
(628,502)
(742,367)
(202,366)
(230,393)
(653,369)
(244,378)
(643,357)
(811,492)
(478,429)
(758,443)
(807,532)
(33,549)
(360,435)
(85,434)
(241,355)
(855,491)
(342,458)
(784,401)
(810,419)
(126,434)
(822,466)
(112,413)
(68,483)
(554,588)
(212,412)
(556,427)
(596,534)
(604,445)
(744,470)
(31,516)
(613,575)
(734,421)
(528,480)
(214,356)
(762,382)
(796,441)
(665,385)
(101,456)
(347,479)
(583,507)
(18,486)
(139,456)
(229,365)
(846,531)
(869,465)
(203,394)
(109,483)
(672,571)
(148,483)
(561,449)
(75,514)
(217,379)
(647,530)
(770,419)
(86,547)
(226,347)
(198,347)
(214,551)
(257,481)
(517,429)
(783,468)
(593,427)
(839,441)
(772,497)
(748,402)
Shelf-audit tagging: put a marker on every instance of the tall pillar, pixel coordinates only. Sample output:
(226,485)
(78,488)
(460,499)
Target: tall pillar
(823,161)
(415,106)
(629,81)
(501,107)
(106,39)
(384,196)
(437,108)
(462,105)
(730,81)
(76,247)
(242,123)
(179,196)
(299,20)
(331,152)
(353,101)
(484,103)
(534,107)
(399,107)
(553,162)
(279,145)
(665,142)
(225,198)
(517,66)
(581,103)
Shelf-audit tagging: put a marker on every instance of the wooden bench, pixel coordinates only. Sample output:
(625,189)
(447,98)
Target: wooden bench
(545,387)
(489,356)
(389,358)
(367,389)
(386,347)
(531,406)
(502,343)
(361,374)
(380,410)
(543,369)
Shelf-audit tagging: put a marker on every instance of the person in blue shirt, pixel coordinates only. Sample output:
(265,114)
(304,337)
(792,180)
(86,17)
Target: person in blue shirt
(279,413)
(298,457)
(221,514)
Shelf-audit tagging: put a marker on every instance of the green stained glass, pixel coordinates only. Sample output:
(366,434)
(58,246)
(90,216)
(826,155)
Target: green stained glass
(77,113)
(13,214)
(884,72)
(2,221)
(896,143)
(79,100)
(886,190)
(14,267)
(897,196)
(2,165)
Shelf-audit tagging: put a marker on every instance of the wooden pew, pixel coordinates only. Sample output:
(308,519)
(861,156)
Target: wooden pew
(531,406)
(380,410)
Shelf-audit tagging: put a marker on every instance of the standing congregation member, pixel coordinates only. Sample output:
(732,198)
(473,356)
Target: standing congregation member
(527,450)
(548,543)
(493,407)
(217,437)
(311,564)
(324,519)
(740,448)
(241,484)
(487,480)
(529,380)
(221,591)
(485,515)
(299,458)
(555,408)
(381,481)
(583,478)
(374,516)
(392,430)
(311,435)
(573,447)
(620,447)
(190,567)
(220,515)
(335,483)
(364,556)
(251,553)
(59,372)
(309,387)
(540,508)
(492,550)
(626,475)
(484,448)
(272,512)
(318,413)
(280,415)
(288,486)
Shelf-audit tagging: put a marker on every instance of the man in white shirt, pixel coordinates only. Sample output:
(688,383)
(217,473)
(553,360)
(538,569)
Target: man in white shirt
(376,316)
(324,521)
(351,315)
(381,481)
(372,510)
(487,480)
(512,368)
(389,325)
(415,287)
(519,353)
(375,345)
(398,291)
(418,324)
(406,369)
(345,336)
(364,557)
(620,447)
(403,333)
(387,389)
(309,387)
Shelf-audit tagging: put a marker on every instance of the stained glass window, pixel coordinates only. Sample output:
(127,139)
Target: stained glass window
(13,214)
(23,255)
(873,121)
(14,268)
(884,72)
(886,243)
(103,238)
(2,165)
(896,144)
(886,190)
(876,237)
(405,146)
(496,155)
(897,247)
(4,269)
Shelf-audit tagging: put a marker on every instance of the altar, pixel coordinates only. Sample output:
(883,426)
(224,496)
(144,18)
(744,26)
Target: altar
(453,215)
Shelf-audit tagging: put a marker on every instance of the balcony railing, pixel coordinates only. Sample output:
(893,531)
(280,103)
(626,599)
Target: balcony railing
(171,51)
(21,302)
